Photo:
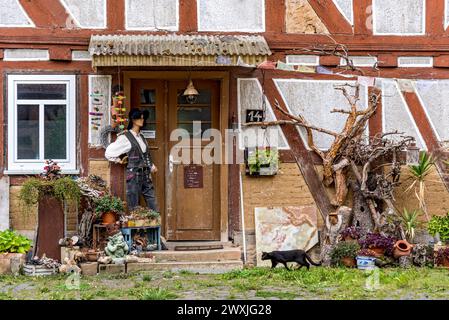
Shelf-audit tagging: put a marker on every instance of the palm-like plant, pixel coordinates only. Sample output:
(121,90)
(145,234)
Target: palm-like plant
(419,173)
(409,220)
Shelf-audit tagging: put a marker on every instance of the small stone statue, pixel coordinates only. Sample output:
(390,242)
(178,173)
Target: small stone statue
(117,248)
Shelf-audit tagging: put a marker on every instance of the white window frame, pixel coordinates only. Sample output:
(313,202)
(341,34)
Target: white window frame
(16,166)
(354,59)
(257,30)
(155,28)
(402,64)
(395,33)
(289,57)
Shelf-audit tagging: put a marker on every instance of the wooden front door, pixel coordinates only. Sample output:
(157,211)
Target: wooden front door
(188,195)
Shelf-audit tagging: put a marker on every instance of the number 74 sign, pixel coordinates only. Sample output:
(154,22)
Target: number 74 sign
(254,115)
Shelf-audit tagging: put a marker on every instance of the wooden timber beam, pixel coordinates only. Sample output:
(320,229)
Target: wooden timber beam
(299,151)
(425,128)
(332,18)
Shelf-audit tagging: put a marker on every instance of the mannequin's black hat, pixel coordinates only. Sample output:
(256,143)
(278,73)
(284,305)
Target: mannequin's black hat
(137,114)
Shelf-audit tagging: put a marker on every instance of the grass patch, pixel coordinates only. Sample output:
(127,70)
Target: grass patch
(157,294)
(147,277)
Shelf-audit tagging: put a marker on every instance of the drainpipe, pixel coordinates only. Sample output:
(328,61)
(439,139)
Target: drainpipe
(243,219)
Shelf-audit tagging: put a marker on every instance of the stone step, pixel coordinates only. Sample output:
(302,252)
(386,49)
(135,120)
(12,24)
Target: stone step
(204,267)
(171,245)
(226,254)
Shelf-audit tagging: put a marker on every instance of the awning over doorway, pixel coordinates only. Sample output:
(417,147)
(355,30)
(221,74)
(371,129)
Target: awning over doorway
(177,50)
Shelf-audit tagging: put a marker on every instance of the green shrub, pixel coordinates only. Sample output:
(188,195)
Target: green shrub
(439,225)
(108,203)
(11,242)
(342,250)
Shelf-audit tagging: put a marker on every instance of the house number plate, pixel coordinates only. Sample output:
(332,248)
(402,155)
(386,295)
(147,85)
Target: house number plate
(254,115)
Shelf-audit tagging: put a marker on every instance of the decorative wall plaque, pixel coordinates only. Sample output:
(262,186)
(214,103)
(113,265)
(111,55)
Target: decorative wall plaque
(193,176)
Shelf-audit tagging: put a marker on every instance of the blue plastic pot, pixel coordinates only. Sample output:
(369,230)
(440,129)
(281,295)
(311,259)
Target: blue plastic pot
(365,263)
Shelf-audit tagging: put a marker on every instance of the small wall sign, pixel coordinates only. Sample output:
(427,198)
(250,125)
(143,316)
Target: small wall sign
(193,176)
(149,134)
(254,115)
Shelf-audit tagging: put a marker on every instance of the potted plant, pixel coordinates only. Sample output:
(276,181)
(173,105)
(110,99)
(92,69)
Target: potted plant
(49,184)
(366,259)
(263,161)
(439,226)
(442,257)
(344,253)
(352,233)
(378,243)
(108,207)
(12,247)
(141,216)
(409,222)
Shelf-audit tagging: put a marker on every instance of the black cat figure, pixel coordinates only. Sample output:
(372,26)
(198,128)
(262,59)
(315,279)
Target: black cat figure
(298,256)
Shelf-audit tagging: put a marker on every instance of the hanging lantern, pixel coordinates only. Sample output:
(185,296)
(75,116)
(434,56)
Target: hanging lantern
(191,93)
(412,154)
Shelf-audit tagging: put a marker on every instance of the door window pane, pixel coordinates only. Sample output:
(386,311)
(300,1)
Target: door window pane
(147,96)
(55,132)
(193,114)
(27,131)
(41,91)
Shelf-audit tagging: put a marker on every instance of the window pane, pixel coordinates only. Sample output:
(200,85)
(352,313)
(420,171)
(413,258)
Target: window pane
(27,132)
(41,91)
(55,132)
(147,96)
(193,114)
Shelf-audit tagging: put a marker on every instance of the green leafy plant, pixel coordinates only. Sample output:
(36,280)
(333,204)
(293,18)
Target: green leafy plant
(439,225)
(262,158)
(409,221)
(145,213)
(108,203)
(11,242)
(64,189)
(342,250)
(419,173)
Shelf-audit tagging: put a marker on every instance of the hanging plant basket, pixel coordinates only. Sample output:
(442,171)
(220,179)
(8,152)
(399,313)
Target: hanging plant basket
(263,161)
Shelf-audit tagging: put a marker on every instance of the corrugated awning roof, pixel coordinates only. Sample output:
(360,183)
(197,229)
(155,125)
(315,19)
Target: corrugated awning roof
(132,50)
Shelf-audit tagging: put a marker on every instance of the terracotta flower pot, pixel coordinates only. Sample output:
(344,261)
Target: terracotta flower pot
(379,252)
(350,239)
(446,262)
(108,218)
(402,248)
(349,262)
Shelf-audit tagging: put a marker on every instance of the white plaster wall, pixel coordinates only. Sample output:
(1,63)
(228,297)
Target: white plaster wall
(346,8)
(396,114)
(87,13)
(152,14)
(78,55)
(434,95)
(13,15)
(399,17)
(314,100)
(4,203)
(231,15)
(250,97)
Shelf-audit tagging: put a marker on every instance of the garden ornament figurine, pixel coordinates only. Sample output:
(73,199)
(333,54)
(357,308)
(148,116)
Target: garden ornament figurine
(117,248)
(132,149)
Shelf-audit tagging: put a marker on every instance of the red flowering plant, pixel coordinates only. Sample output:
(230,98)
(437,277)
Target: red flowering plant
(51,170)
